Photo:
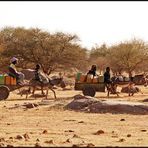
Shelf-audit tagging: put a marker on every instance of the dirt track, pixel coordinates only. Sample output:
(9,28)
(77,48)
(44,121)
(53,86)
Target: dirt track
(47,126)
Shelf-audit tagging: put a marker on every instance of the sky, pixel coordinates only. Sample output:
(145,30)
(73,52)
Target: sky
(94,22)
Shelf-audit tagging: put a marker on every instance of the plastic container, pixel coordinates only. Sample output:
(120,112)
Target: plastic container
(13,81)
(2,79)
(89,79)
(101,79)
(78,76)
(83,78)
(10,80)
(95,80)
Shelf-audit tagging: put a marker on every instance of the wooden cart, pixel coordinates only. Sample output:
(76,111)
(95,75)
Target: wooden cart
(6,89)
(90,89)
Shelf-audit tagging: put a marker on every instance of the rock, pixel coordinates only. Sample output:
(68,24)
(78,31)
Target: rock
(37,145)
(122,119)
(45,132)
(19,137)
(69,131)
(30,105)
(140,139)
(115,136)
(80,102)
(145,100)
(8,124)
(99,132)
(93,105)
(81,122)
(68,140)
(76,136)
(90,145)
(37,140)
(2,139)
(78,97)
(129,135)
(10,145)
(143,130)
(75,145)
(2,144)
(26,136)
(49,141)
(31,132)
(121,140)
(70,120)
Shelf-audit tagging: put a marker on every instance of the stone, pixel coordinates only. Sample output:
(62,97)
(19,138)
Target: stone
(49,141)
(69,131)
(122,119)
(37,145)
(10,145)
(19,137)
(45,132)
(129,135)
(121,140)
(90,145)
(26,136)
(99,132)
(93,105)
(143,130)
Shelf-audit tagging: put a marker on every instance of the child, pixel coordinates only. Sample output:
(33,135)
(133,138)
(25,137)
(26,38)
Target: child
(40,76)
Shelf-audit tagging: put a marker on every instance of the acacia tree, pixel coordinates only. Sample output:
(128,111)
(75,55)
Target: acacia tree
(98,56)
(128,55)
(36,46)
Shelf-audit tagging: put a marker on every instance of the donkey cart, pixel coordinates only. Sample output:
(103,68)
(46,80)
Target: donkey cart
(6,89)
(89,87)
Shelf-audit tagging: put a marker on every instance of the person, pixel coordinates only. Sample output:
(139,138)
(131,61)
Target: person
(14,73)
(110,85)
(120,77)
(92,71)
(114,78)
(107,79)
(40,76)
(37,73)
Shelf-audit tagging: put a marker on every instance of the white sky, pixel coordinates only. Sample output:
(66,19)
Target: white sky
(94,22)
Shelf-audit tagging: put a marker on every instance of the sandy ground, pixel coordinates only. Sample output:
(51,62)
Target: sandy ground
(45,126)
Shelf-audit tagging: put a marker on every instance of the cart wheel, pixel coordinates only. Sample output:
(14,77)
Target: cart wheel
(89,91)
(4,92)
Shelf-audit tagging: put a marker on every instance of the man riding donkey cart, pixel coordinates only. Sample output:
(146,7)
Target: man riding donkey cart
(14,73)
(40,79)
(111,86)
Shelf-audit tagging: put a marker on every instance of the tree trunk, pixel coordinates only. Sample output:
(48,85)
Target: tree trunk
(130,75)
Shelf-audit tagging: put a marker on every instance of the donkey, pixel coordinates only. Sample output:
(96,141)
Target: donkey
(131,89)
(112,89)
(33,84)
